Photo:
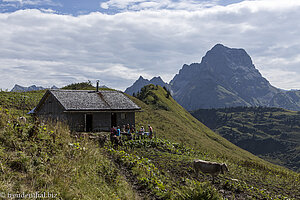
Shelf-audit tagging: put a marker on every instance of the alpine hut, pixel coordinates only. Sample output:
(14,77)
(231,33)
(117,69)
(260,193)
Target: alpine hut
(85,110)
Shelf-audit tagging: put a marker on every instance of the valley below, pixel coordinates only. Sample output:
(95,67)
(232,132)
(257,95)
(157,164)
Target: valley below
(271,133)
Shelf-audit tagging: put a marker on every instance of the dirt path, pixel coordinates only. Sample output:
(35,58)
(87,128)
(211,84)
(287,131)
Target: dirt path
(141,193)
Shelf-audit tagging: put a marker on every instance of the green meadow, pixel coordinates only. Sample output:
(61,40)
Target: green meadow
(37,157)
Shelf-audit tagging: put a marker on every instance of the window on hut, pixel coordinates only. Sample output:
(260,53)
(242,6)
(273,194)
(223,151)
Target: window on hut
(123,115)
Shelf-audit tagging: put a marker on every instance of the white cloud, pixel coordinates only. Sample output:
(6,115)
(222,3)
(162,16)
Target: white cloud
(104,5)
(157,4)
(122,4)
(47,10)
(47,48)
(282,78)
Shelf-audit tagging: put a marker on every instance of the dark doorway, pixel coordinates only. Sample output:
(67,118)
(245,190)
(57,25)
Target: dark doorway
(113,119)
(89,122)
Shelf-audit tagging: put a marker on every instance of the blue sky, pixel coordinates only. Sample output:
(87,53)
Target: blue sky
(73,7)
(52,42)
(79,7)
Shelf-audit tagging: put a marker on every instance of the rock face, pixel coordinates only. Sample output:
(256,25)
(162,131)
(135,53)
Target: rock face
(141,82)
(286,99)
(226,77)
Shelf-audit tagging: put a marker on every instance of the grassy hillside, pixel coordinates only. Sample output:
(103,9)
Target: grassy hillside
(271,133)
(46,158)
(19,100)
(80,86)
(172,122)
(83,86)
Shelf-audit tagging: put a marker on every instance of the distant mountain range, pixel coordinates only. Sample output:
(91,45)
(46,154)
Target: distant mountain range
(226,77)
(19,88)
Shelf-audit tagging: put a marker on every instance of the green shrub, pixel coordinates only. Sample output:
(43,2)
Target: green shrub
(196,191)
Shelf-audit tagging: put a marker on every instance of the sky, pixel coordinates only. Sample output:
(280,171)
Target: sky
(58,42)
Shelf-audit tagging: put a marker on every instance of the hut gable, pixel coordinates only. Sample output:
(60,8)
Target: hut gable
(45,102)
(49,106)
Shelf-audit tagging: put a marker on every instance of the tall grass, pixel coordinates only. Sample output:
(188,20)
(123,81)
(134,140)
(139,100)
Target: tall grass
(38,157)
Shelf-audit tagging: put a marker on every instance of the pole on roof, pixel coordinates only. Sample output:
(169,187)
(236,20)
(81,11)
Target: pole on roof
(97,88)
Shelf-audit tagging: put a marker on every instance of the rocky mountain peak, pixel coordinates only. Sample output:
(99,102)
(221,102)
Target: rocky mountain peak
(221,56)
(141,82)
(157,80)
(141,78)
(225,77)
(219,47)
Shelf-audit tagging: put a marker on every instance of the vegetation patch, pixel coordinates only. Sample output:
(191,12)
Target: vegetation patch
(37,157)
(46,157)
(164,170)
(271,133)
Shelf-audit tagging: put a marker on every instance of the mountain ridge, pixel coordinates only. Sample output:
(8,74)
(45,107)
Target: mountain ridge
(141,82)
(226,77)
(19,88)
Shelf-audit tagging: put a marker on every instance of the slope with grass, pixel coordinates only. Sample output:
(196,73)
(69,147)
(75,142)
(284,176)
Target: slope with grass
(46,158)
(38,158)
(172,122)
(19,100)
(271,133)
(83,86)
